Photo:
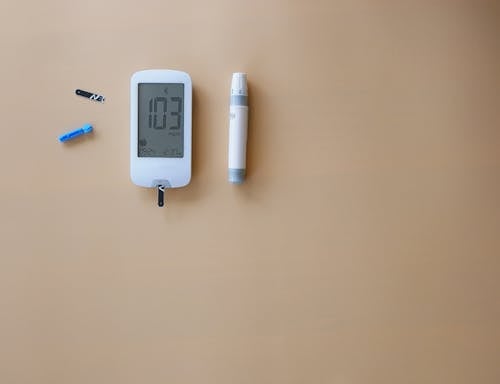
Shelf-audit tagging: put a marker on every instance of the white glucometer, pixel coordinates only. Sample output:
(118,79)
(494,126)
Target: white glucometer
(160,129)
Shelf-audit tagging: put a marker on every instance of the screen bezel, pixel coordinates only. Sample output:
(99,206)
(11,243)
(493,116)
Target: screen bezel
(150,171)
(164,133)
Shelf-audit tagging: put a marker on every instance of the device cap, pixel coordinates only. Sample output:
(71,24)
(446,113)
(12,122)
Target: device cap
(239,84)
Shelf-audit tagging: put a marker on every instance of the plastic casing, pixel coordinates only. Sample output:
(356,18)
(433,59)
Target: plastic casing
(238,128)
(154,171)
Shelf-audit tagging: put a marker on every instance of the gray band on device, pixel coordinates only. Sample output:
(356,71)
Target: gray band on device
(236,175)
(239,100)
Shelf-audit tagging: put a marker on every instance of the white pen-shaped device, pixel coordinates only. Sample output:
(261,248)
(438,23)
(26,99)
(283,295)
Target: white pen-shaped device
(238,128)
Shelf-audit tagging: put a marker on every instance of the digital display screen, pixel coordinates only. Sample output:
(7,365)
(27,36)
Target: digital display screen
(161,120)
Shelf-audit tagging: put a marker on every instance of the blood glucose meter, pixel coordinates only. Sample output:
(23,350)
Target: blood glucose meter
(160,129)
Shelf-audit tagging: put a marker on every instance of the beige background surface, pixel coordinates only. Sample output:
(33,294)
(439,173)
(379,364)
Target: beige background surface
(364,247)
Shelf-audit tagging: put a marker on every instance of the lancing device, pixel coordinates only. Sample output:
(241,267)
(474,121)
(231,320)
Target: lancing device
(87,128)
(238,128)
